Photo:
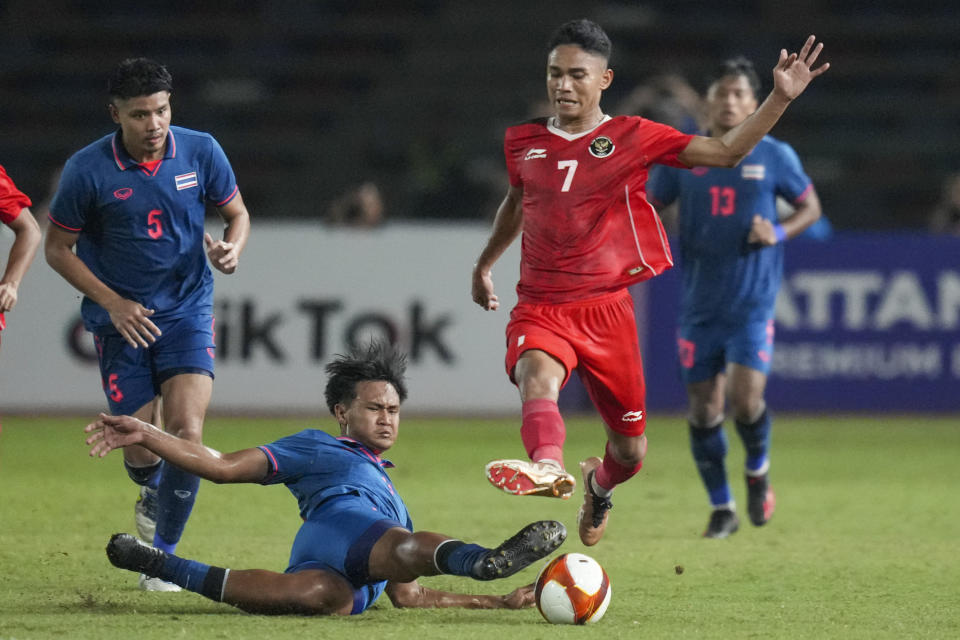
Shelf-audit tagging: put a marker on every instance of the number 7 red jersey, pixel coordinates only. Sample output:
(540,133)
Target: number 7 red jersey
(587,226)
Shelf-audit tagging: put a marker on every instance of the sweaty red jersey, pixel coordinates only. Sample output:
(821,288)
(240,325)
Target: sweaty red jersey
(12,200)
(587,226)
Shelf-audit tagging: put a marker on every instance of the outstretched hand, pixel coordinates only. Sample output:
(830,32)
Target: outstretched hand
(520,598)
(793,72)
(113,432)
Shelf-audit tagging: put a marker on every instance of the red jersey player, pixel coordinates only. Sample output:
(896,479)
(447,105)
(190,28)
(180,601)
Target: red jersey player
(15,213)
(576,193)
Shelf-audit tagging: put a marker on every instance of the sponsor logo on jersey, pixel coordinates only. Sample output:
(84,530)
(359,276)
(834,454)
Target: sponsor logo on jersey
(632,416)
(601,147)
(123,194)
(753,172)
(186,180)
(535,153)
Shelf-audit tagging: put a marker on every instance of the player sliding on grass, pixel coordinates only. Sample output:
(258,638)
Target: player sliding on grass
(357,538)
(577,194)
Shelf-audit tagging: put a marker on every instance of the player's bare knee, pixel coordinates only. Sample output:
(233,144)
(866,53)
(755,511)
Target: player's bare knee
(321,597)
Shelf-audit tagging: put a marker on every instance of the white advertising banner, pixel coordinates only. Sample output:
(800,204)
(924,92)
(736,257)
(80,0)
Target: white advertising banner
(303,293)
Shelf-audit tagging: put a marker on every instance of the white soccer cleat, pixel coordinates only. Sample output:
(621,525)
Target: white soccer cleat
(156,584)
(525,478)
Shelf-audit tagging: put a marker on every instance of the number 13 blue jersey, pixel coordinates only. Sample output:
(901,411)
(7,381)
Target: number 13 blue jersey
(724,277)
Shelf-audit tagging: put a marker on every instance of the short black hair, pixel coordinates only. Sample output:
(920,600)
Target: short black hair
(586,34)
(377,360)
(138,77)
(739,66)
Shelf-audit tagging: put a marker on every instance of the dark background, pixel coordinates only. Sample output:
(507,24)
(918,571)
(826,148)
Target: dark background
(312,98)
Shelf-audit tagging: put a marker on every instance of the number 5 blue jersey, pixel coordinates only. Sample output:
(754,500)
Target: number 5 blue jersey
(141,226)
(725,277)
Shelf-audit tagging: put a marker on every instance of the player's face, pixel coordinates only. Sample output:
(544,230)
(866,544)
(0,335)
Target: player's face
(144,121)
(575,81)
(729,101)
(373,417)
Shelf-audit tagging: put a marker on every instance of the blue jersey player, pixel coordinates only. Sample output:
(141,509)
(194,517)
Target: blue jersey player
(132,205)
(731,255)
(357,539)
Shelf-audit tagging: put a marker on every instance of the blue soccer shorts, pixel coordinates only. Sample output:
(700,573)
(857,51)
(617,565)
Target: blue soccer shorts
(338,537)
(704,349)
(132,377)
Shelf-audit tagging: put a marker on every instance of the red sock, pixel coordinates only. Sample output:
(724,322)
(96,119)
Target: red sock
(611,473)
(543,431)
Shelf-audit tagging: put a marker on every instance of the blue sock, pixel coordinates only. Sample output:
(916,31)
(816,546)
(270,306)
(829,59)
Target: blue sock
(458,558)
(194,576)
(175,497)
(756,440)
(709,448)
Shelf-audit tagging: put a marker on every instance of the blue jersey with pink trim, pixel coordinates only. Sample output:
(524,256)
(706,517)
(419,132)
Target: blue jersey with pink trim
(318,467)
(141,227)
(724,277)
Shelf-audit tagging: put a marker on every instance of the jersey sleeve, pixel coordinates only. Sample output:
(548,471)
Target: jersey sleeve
(73,199)
(12,200)
(662,143)
(663,186)
(221,184)
(792,181)
(290,457)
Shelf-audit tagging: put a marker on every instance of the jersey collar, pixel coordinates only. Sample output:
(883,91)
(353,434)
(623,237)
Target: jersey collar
(554,129)
(123,159)
(362,448)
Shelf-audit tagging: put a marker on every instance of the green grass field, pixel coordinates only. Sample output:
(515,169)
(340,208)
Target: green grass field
(863,543)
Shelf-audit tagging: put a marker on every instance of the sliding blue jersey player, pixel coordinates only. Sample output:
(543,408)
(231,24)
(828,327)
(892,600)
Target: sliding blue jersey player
(357,539)
(132,204)
(731,256)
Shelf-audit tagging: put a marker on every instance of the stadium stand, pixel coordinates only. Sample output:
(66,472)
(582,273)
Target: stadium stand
(310,98)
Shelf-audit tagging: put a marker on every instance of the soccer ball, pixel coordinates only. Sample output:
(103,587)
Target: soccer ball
(573,589)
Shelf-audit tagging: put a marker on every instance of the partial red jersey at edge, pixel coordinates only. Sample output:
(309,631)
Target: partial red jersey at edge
(587,226)
(12,200)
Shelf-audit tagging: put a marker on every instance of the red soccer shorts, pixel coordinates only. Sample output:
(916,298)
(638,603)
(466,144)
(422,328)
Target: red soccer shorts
(598,338)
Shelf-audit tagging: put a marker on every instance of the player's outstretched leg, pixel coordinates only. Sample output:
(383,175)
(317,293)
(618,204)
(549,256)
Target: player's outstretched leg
(533,542)
(595,511)
(525,478)
(126,552)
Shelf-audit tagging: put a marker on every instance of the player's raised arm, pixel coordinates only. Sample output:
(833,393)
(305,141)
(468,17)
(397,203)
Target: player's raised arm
(114,432)
(791,76)
(506,227)
(414,595)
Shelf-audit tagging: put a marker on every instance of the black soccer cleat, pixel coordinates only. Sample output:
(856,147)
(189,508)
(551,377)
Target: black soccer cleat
(533,542)
(126,552)
(723,523)
(760,499)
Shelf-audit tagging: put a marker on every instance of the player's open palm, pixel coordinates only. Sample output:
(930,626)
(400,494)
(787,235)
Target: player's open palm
(794,71)
(113,432)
